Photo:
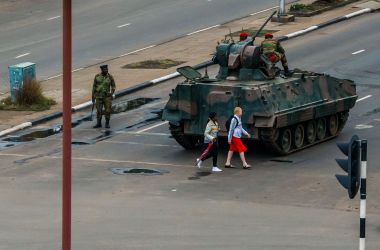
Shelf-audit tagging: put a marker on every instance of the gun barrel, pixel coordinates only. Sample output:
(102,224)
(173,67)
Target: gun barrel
(262,26)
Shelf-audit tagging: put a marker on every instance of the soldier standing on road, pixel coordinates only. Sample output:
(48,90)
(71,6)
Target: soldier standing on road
(273,50)
(102,93)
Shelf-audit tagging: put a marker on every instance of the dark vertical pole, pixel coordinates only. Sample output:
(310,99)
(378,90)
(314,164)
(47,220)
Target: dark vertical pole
(66,148)
(363,193)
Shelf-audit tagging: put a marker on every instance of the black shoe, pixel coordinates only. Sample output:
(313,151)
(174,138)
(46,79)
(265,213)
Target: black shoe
(107,123)
(287,72)
(98,124)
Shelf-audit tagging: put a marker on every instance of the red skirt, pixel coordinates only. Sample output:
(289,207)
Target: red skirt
(237,145)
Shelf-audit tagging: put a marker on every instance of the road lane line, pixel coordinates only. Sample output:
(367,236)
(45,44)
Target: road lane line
(75,70)
(261,11)
(123,25)
(208,28)
(151,46)
(52,18)
(152,127)
(357,52)
(22,55)
(97,160)
(363,98)
(139,143)
(52,77)
(119,161)
(15,155)
(143,133)
(363,126)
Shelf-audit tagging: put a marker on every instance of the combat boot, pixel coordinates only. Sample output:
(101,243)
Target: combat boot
(286,71)
(107,123)
(98,124)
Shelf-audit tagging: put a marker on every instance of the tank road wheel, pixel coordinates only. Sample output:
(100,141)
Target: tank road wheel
(299,136)
(311,131)
(285,140)
(342,120)
(321,128)
(186,141)
(333,125)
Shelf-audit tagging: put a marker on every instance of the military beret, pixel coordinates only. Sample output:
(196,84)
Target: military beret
(104,66)
(243,34)
(268,35)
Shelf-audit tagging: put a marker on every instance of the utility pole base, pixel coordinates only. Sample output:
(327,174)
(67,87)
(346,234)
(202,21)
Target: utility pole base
(283,19)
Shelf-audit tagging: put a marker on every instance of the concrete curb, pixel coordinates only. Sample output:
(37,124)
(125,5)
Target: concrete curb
(15,128)
(174,75)
(324,24)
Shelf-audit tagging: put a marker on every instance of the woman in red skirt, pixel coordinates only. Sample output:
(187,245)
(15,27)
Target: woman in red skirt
(234,139)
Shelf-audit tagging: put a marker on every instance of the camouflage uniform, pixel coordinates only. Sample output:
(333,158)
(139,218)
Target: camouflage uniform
(272,47)
(101,91)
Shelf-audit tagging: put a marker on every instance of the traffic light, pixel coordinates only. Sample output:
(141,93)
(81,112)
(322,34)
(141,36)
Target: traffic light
(351,165)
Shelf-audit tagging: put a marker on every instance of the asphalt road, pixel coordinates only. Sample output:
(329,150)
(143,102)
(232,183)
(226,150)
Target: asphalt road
(291,202)
(31,30)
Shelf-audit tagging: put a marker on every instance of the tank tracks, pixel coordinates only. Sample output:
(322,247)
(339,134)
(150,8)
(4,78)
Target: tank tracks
(299,136)
(285,140)
(186,141)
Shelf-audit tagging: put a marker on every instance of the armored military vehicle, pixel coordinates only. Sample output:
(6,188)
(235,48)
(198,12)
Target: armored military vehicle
(286,113)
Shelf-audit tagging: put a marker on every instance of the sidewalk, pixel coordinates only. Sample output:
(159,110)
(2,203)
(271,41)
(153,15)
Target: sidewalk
(192,49)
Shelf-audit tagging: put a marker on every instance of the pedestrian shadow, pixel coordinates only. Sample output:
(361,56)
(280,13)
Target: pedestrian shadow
(199,175)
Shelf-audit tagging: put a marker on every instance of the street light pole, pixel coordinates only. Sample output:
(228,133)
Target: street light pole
(66,147)
(282,11)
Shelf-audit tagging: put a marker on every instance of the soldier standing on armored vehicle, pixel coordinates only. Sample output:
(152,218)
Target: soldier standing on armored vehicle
(243,36)
(102,93)
(273,50)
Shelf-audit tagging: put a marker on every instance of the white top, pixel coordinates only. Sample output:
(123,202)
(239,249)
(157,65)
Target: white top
(236,128)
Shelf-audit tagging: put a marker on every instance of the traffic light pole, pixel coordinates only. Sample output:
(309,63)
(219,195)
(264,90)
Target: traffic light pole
(363,192)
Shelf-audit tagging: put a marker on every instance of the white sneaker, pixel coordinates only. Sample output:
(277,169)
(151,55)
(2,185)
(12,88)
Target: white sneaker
(199,163)
(216,169)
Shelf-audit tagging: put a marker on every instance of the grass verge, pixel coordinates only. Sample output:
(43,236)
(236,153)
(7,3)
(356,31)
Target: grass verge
(28,98)
(317,7)
(153,64)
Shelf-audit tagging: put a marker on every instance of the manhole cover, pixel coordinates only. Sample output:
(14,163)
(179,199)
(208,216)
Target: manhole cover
(138,171)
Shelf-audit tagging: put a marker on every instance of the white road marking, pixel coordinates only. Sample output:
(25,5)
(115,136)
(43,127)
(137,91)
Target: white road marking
(195,32)
(56,76)
(52,77)
(139,143)
(363,98)
(152,127)
(143,133)
(22,55)
(75,70)
(151,46)
(99,160)
(357,52)
(363,126)
(123,25)
(52,18)
(122,161)
(274,7)
(15,155)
